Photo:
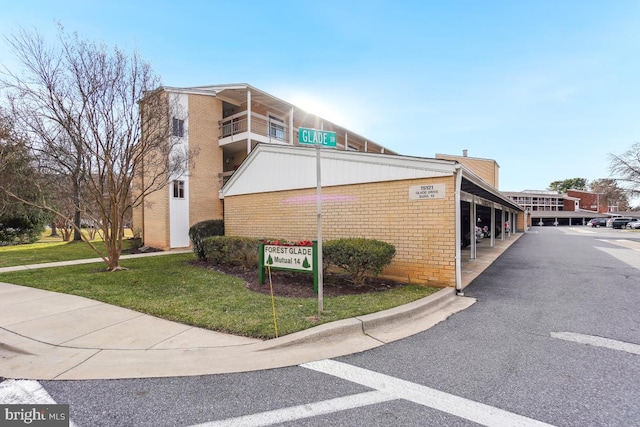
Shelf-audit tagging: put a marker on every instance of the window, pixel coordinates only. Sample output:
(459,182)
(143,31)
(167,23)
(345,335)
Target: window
(178,189)
(276,127)
(177,127)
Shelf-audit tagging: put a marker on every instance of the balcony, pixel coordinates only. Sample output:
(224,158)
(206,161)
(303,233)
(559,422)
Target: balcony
(238,128)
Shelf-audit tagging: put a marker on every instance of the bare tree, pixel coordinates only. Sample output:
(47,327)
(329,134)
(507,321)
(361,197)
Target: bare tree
(626,169)
(79,102)
(617,198)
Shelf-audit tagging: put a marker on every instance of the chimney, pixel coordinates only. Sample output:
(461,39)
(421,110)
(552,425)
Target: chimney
(464,153)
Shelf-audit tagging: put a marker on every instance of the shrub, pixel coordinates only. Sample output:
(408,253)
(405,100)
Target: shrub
(200,231)
(358,256)
(232,251)
(26,227)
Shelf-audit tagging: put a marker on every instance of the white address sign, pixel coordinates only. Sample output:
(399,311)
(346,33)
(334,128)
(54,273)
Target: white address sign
(427,192)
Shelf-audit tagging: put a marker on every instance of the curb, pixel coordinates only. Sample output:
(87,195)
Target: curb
(411,311)
(360,326)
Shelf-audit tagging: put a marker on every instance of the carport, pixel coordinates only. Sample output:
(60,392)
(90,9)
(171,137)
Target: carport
(481,205)
(563,218)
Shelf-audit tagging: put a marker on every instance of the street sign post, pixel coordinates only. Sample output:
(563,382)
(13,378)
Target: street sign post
(319,138)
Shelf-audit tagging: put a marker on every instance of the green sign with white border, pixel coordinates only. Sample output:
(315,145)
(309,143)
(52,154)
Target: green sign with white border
(303,258)
(317,137)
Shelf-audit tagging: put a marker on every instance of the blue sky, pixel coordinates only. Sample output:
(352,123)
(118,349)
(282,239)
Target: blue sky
(546,88)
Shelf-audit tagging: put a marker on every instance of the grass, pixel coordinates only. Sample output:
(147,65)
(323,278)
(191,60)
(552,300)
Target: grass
(170,287)
(49,249)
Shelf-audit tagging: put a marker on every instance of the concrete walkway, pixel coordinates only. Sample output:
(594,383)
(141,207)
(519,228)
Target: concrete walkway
(48,335)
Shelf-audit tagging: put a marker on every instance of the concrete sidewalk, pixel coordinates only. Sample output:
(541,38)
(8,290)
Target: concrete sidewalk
(48,335)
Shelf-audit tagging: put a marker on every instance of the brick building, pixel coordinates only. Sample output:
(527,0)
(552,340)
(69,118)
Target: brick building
(417,204)
(223,124)
(575,207)
(589,201)
(251,171)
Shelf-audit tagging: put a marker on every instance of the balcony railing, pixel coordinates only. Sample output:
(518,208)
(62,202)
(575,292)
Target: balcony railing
(260,125)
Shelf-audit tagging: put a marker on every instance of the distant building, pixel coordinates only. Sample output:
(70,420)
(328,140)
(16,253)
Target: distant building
(546,207)
(589,201)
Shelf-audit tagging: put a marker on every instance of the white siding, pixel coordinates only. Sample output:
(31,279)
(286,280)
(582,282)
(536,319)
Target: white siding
(179,208)
(271,168)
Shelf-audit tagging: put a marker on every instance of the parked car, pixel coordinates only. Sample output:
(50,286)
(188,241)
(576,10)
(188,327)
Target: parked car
(466,241)
(620,222)
(634,223)
(597,222)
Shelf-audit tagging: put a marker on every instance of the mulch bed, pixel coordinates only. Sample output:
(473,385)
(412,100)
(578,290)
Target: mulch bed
(300,285)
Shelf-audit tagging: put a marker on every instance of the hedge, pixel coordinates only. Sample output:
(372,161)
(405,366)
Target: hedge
(200,231)
(232,251)
(358,256)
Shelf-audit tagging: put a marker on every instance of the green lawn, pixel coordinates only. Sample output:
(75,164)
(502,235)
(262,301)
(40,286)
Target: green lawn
(38,253)
(49,249)
(171,288)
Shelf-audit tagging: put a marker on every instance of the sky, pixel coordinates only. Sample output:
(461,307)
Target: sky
(548,89)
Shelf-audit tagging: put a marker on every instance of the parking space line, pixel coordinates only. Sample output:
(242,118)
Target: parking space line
(422,395)
(598,341)
(303,411)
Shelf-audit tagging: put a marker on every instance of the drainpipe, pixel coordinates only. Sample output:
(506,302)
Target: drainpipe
(458,234)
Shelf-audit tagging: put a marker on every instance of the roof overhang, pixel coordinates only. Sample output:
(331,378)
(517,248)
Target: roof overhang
(263,171)
(237,94)
(476,186)
(566,214)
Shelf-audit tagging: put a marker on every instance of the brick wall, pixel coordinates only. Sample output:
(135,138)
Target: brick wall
(422,231)
(487,169)
(156,219)
(153,213)
(590,201)
(568,205)
(204,182)
(520,225)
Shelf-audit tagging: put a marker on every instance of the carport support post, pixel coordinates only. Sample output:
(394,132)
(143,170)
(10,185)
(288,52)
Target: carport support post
(458,229)
(472,227)
(503,230)
(492,231)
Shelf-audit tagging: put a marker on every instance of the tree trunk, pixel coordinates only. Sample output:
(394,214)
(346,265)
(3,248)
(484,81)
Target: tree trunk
(77,218)
(54,230)
(113,245)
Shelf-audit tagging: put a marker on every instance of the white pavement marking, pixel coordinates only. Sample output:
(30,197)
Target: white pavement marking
(302,411)
(401,389)
(579,230)
(626,243)
(16,392)
(627,256)
(598,341)
(24,391)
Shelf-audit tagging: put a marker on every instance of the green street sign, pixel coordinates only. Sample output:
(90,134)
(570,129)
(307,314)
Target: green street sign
(317,137)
